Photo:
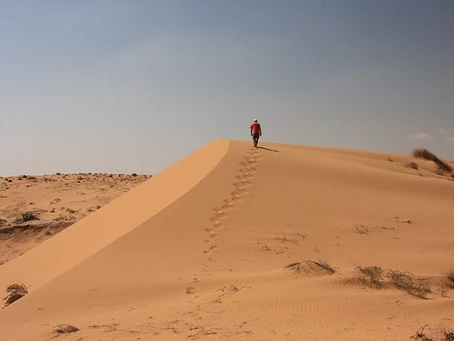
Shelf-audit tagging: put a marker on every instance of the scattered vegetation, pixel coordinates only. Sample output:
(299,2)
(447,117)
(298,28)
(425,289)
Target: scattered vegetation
(448,334)
(372,276)
(375,276)
(27,216)
(445,334)
(421,335)
(412,165)
(406,282)
(361,229)
(427,155)
(451,279)
(66,329)
(15,292)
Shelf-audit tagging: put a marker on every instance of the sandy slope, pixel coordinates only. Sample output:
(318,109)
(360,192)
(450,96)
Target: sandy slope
(207,259)
(60,199)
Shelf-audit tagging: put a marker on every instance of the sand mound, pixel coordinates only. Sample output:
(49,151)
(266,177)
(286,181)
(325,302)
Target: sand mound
(310,267)
(200,251)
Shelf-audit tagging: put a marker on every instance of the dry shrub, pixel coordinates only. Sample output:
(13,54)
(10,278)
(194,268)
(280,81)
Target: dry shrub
(421,335)
(311,266)
(448,334)
(27,216)
(361,229)
(451,279)
(442,333)
(412,165)
(406,282)
(328,268)
(371,276)
(426,155)
(66,329)
(15,292)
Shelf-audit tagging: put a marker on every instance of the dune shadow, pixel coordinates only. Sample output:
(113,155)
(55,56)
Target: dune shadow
(270,150)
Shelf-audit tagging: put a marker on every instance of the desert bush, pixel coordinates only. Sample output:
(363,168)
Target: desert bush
(442,334)
(15,292)
(326,266)
(405,282)
(361,229)
(448,334)
(311,266)
(371,275)
(426,155)
(450,276)
(421,335)
(413,165)
(27,216)
(66,329)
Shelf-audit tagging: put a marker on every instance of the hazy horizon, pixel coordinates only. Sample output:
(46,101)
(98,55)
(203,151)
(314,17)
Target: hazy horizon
(134,86)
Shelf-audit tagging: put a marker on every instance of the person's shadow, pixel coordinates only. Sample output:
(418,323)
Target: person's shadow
(270,150)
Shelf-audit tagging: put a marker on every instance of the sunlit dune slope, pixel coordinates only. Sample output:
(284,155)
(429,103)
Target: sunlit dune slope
(250,244)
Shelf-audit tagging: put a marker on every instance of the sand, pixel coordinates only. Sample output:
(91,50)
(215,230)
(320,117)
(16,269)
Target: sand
(239,243)
(57,201)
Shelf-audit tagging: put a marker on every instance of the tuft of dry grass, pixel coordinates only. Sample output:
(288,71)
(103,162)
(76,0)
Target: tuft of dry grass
(448,334)
(450,277)
(371,276)
(361,229)
(406,282)
(15,292)
(28,216)
(412,165)
(66,329)
(312,266)
(427,155)
(421,335)
(442,334)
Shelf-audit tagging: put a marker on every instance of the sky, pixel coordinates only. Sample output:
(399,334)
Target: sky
(122,86)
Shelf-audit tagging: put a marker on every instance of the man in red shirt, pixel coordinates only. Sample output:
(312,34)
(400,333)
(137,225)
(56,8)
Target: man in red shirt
(256,132)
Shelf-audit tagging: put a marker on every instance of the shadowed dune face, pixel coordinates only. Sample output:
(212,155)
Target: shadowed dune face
(263,246)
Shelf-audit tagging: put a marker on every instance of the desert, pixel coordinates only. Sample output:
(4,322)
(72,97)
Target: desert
(232,242)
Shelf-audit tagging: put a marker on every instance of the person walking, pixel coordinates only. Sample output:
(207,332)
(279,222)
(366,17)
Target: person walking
(256,131)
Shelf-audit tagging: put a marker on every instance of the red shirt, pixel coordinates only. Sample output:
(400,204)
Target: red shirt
(255,128)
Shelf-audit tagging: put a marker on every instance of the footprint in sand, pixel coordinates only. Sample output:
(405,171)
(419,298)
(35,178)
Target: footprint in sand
(244,175)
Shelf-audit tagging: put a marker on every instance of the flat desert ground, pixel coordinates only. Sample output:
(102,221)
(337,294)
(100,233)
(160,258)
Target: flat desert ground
(281,242)
(52,202)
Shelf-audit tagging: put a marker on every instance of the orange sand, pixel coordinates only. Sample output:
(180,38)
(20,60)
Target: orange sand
(57,199)
(199,252)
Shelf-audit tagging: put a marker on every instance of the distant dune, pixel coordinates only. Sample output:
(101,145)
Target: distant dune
(281,242)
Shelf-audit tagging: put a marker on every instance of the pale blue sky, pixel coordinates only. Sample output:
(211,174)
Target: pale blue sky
(135,85)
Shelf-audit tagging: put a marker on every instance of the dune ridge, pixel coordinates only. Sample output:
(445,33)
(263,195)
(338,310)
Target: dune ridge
(245,254)
(89,235)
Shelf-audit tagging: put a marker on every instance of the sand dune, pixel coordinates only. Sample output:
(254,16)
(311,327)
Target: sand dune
(238,243)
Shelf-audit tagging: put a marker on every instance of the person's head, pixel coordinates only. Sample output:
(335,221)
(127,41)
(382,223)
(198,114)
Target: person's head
(255,120)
